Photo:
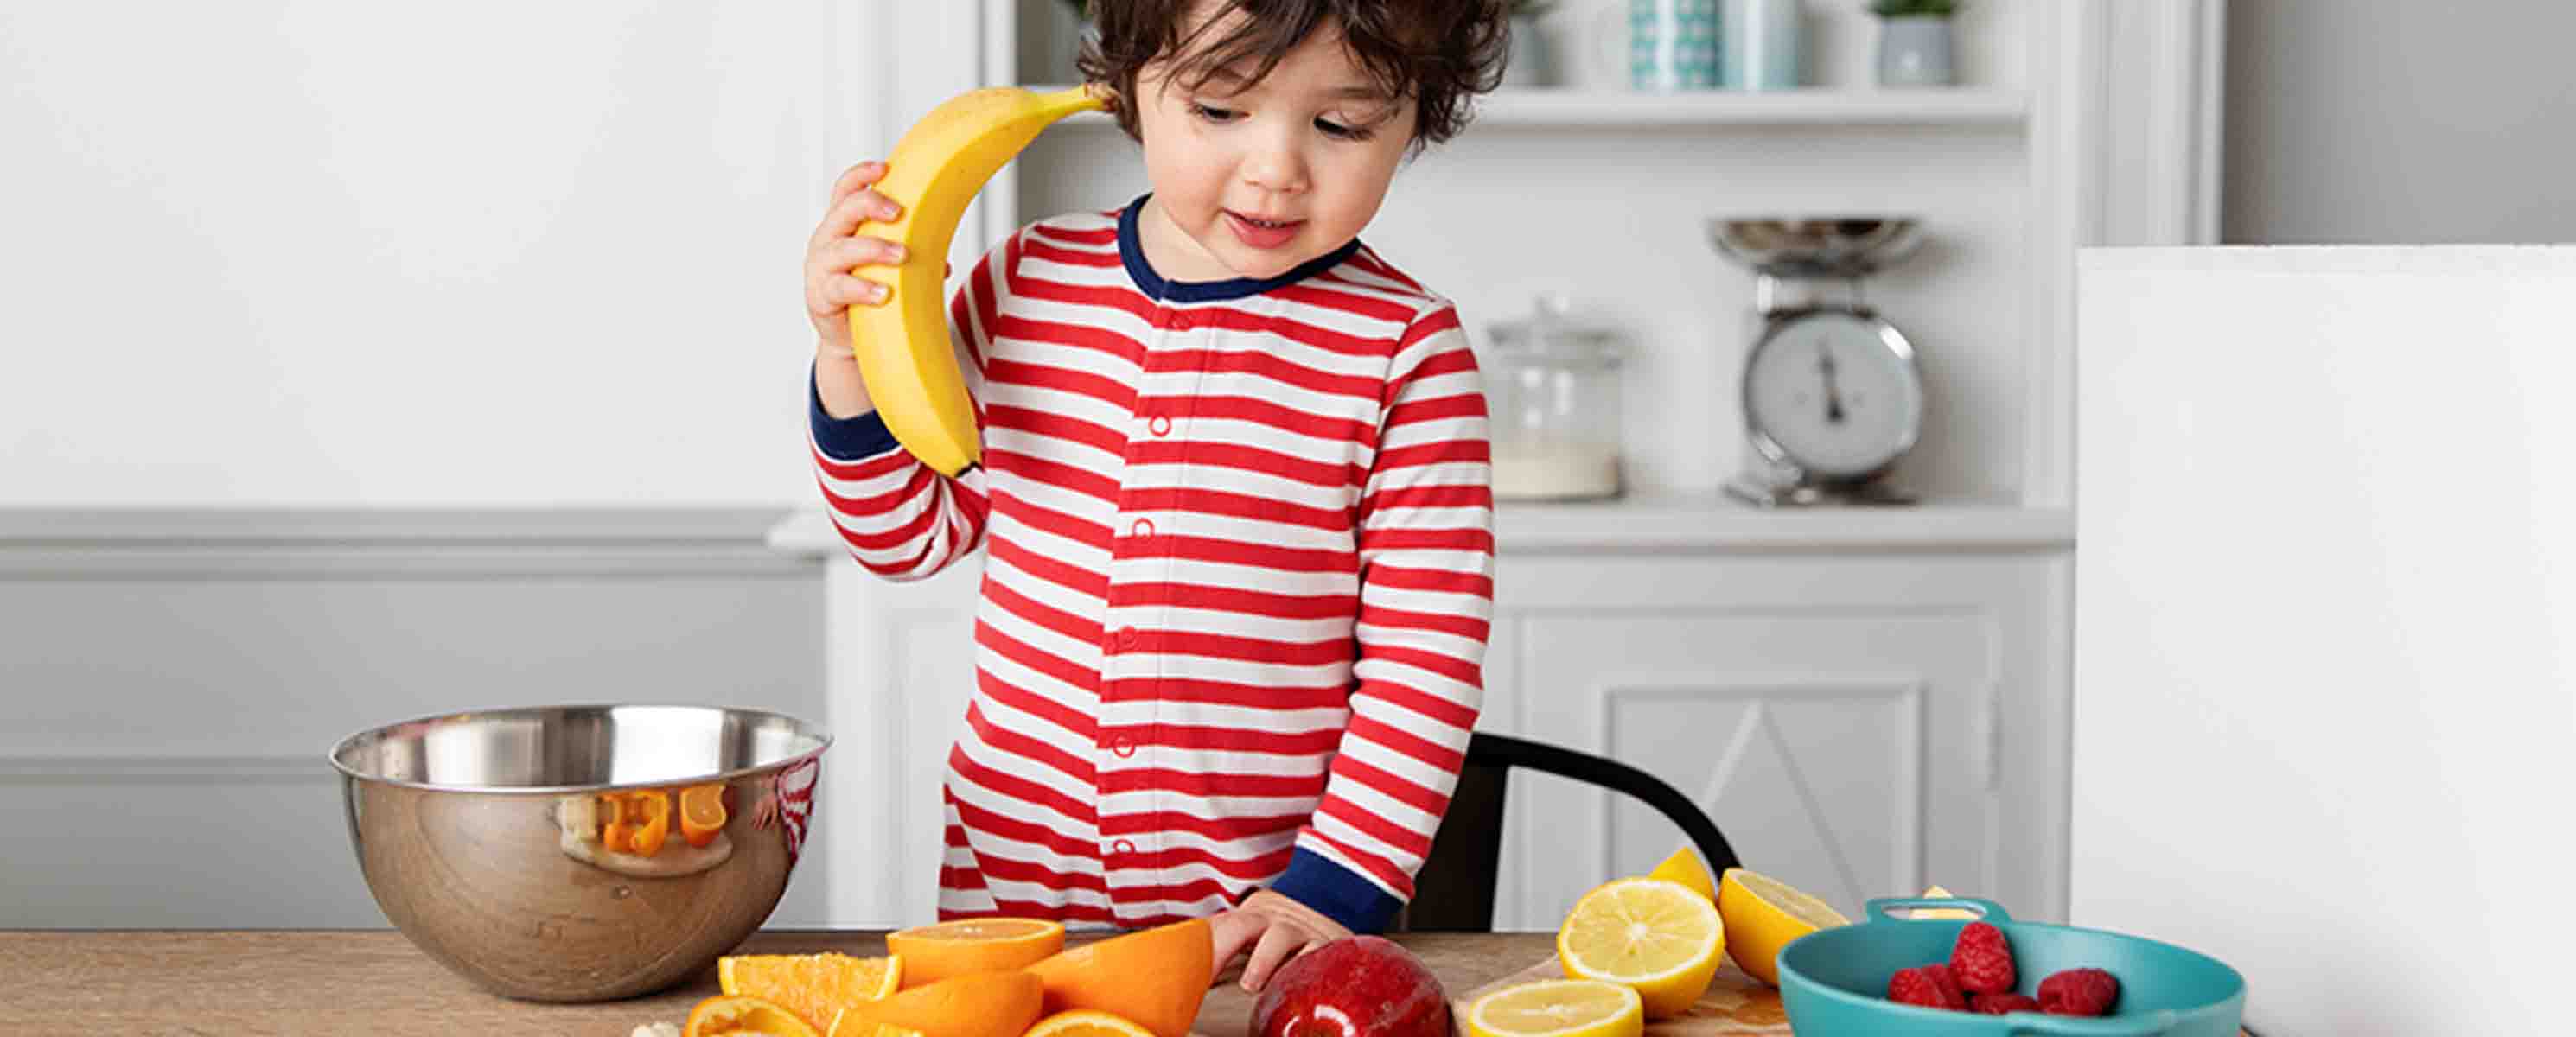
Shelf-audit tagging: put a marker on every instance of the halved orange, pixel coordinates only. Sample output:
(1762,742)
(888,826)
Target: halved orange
(1084,1022)
(1155,978)
(702,813)
(737,1014)
(814,986)
(932,953)
(981,1004)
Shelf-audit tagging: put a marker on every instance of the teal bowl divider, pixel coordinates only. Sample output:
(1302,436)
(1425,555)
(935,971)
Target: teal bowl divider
(1834,981)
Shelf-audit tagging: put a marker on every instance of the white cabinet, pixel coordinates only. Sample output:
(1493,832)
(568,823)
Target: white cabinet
(1857,726)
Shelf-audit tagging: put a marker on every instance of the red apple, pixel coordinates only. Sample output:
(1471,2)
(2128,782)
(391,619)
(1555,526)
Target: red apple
(1363,986)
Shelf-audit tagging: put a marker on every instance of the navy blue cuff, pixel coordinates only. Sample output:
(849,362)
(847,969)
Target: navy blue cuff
(846,439)
(1336,892)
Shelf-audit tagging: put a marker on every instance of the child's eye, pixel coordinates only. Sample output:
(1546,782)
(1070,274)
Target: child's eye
(1340,131)
(1211,113)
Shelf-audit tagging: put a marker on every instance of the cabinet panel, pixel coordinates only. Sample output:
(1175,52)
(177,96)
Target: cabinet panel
(1857,725)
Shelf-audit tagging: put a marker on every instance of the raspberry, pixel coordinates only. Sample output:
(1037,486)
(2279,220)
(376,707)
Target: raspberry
(1982,959)
(1998,1004)
(2079,992)
(1949,981)
(1923,987)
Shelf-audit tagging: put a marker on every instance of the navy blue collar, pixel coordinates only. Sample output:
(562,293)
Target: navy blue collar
(1132,251)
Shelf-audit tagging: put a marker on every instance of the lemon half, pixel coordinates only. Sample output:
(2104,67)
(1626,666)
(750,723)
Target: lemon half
(1558,1008)
(1762,915)
(1655,936)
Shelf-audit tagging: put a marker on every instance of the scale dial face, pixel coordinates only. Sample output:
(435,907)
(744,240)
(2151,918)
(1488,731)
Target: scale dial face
(1833,393)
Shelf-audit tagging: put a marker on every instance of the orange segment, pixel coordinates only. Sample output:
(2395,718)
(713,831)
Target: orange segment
(981,1004)
(656,827)
(814,986)
(1155,978)
(1086,1023)
(735,1014)
(702,813)
(932,953)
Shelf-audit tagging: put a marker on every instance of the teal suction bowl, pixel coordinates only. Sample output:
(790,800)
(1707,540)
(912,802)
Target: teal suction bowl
(1834,981)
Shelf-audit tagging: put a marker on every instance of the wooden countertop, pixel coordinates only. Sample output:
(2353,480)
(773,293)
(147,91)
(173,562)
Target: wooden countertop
(375,982)
(164,983)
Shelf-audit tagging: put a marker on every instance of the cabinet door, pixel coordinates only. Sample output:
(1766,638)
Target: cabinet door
(1837,718)
(900,664)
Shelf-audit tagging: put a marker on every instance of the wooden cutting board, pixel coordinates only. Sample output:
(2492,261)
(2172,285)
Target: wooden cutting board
(1734,1003)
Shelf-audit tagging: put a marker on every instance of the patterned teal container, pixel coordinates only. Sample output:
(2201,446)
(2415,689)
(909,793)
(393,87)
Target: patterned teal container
(1673,45)
(1834,981)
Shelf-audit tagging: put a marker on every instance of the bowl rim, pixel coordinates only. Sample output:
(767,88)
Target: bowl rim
(1789,969)
(823,740)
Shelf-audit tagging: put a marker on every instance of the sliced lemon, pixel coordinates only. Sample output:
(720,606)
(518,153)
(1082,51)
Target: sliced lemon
(1558,1008)
(1652,935)
(1762,915)
(1937,893)
(1684,867)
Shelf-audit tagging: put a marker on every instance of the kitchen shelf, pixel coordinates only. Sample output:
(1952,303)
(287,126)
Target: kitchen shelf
(1573,109)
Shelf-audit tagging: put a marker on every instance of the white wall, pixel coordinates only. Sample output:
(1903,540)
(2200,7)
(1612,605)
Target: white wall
(2399,122)
(2325,602)
(296,252)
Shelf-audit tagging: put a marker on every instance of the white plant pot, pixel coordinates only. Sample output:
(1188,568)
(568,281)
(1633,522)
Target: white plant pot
(1915,50)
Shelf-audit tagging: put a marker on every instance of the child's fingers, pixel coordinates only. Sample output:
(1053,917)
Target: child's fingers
(841,255)
(859,207)
(1229,931)
(1278,944)
(856,177)
(840,292)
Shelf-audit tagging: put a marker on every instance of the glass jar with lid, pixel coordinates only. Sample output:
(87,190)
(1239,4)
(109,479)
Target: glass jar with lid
(1552,390)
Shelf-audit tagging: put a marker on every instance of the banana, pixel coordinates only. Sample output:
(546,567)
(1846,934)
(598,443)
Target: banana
(902,344)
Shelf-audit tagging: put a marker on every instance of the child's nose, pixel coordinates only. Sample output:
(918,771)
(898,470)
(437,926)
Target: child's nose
(1276,168)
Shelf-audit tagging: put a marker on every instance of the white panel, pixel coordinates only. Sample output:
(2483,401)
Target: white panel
(1832,743)
(168,707)
(903,673)
(1824,776)
(2325,601)
(305,252)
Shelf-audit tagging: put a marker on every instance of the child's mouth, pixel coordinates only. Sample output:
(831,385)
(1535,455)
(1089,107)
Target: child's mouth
(1261,233)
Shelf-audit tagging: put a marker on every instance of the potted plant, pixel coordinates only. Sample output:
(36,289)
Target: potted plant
(1528,63)
(1914,47)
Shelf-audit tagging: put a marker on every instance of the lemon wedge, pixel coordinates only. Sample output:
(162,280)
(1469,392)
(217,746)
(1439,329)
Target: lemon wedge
(1762,915)
(1558,1008)
(1937,893)
(1684,867)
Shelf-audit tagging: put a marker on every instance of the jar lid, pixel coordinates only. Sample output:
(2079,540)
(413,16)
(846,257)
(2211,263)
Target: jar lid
(1552,335)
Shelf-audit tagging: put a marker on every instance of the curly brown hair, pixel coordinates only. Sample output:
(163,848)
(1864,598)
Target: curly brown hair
(1437,53)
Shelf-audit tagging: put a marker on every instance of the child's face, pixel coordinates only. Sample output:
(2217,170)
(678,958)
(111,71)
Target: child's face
(1251,179)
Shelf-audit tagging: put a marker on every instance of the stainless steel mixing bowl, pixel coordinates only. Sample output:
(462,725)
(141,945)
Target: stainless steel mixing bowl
(1848,246)
(480,836)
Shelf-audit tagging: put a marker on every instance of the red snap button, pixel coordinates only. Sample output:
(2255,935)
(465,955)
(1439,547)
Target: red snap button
(1123,746)
(1126,637)
(1122,846)
(1142,528)
(1160,426)
(1180,321)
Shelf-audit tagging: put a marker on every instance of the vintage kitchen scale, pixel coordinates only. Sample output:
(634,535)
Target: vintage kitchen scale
(1832,395)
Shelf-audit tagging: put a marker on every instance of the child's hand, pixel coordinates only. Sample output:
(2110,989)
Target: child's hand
(833,252)
(1275,928)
